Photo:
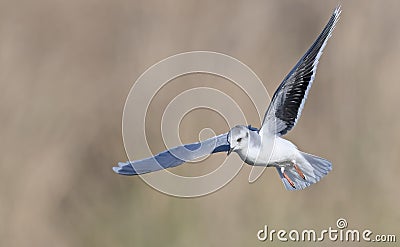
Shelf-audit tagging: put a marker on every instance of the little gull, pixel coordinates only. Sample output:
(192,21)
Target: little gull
(264,146)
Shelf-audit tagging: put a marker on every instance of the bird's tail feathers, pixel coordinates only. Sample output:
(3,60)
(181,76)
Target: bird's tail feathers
(313,168)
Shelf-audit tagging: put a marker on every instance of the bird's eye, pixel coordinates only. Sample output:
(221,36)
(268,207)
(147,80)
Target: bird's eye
(239,139)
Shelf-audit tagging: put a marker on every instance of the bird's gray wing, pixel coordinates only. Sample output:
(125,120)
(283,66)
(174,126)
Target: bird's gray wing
(288,101)
(174,156)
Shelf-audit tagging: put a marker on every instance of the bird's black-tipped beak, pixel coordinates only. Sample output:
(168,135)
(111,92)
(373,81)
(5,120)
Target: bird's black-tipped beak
(230,151)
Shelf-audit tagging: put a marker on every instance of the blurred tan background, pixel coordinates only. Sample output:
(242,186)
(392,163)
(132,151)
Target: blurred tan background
(66,68)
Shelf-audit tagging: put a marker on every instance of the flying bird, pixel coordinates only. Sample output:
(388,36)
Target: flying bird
(264,146)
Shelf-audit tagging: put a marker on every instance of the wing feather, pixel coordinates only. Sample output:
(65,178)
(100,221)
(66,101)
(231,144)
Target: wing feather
(174,156)
(288,101)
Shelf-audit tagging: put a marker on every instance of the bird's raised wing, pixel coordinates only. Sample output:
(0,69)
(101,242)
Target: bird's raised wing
(288,101)
(174,156)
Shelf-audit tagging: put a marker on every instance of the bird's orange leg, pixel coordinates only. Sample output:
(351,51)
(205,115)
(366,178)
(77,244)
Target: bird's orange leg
(299,171)
(288,179)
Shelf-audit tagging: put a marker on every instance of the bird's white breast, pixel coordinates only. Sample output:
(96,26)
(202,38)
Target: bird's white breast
(270,151)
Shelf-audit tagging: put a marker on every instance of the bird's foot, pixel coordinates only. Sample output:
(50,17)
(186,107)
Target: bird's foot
(301,174)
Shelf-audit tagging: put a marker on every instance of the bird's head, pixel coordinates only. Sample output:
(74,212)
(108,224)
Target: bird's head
(238,138)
